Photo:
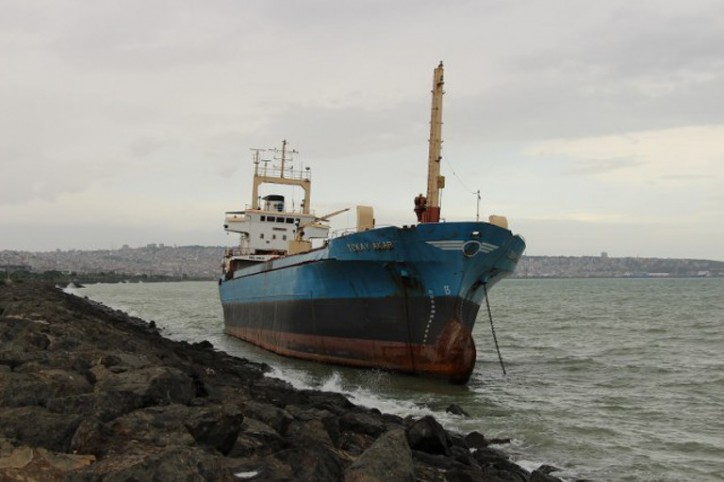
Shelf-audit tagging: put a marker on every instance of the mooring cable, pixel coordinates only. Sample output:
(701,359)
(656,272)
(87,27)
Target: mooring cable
(492,327)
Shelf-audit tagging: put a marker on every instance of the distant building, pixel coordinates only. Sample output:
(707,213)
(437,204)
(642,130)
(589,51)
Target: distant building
(604,254)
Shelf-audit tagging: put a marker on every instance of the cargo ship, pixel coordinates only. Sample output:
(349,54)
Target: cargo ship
(394,298)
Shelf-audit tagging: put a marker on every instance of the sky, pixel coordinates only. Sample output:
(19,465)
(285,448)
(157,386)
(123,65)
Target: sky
(592,126)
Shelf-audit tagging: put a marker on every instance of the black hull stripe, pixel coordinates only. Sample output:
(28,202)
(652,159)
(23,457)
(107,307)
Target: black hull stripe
(415,320)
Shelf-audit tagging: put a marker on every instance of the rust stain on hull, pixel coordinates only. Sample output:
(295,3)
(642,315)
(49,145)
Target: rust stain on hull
(452,356)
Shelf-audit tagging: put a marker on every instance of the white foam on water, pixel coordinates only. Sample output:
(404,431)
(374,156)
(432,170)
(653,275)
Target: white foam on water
(357,394)
(70,289)
(298,379)
(246,475)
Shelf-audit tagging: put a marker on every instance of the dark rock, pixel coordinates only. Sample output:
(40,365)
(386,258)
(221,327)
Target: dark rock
(465,475)
(498,441)
(312,463)
(278,392)
(328,420)
(37,427)
(82,404)
(215,427)
(496,465)
(20,389)
(542,474)
(89,437)
(309,432)
(476,440)
(35,340)
(489,455)
(456,409)
(171,464)
(65,343)
(152,428)
(361,422)
(14,357)
(389,459)
(127,361)
(505,472)
(547,469)
(160,385)
(24,463)
(427,435)
(109,405)
(333,402)
(355,443)
(439,461)
(257,438)
(462,455)
(277,418)
(458,440)
(393,421)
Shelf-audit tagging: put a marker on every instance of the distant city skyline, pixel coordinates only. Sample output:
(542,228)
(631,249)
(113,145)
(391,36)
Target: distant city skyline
(592,126)
(202,262)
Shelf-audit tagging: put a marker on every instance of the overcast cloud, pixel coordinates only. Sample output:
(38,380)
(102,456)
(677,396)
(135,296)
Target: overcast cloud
(593,126)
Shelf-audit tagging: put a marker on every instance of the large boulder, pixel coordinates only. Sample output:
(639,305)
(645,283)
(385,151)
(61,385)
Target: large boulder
(257,438)
(216,427)
(304,432)
(389,459)
(37,427)
(23,463)
(476,440)
(427,435)
(360,421)
(121,393)
(313,425)
(149,428)
(90,437)
(315,463)
(543,474)
(18,389)
(172,464)
(277,418)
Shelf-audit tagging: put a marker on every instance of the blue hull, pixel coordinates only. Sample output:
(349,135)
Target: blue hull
(395,298)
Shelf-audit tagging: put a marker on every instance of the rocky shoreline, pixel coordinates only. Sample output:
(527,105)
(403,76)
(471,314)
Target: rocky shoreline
(89,393)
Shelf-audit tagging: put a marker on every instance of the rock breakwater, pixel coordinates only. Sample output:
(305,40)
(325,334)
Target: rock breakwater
(89,393)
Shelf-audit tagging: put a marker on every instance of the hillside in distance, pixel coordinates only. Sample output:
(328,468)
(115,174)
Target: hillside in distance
(204,262)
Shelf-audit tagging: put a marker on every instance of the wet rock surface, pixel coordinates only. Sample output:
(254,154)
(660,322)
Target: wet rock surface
(89,393)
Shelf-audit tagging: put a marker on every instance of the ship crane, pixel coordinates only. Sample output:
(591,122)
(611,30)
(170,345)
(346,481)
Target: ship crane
(317,222)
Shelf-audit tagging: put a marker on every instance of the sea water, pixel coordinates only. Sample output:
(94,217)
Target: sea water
(607,379)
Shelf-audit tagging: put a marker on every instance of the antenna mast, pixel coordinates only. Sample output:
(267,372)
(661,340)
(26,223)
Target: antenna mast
(283,157)
(280,176)
(435,182)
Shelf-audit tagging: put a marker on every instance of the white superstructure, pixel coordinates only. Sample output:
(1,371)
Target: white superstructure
(269,229)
